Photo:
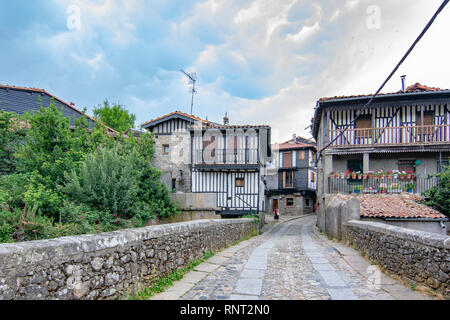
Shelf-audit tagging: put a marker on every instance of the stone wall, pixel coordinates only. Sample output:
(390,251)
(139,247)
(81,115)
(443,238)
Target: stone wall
(109,265)
(415,256)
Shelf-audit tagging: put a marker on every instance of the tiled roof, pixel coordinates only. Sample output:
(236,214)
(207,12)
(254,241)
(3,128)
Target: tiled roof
(237,126)
(417,87)
(177,113)
(69,105)
(292,145)
(402,206)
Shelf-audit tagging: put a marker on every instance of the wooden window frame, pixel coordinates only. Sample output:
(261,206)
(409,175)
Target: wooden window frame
(287,155)
(164,146)
(241,183)
(285,176)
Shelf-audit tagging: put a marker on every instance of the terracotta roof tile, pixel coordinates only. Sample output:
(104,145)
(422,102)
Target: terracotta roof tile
(417,87)
(290,144)
(178,113)
(402,206)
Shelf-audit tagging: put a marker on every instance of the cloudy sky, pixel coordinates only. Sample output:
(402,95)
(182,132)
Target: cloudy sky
(262,61)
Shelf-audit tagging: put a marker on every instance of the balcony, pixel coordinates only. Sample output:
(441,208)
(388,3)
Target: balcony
(391,136)
(247,156)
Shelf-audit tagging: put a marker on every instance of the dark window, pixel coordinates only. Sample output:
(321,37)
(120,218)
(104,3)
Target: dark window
(442,164)
(288,179)
(289,202)
(174,184)
(406,165)
(165,148)
(307,203)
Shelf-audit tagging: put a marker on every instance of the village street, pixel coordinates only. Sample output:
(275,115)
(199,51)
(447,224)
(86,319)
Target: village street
(292,260)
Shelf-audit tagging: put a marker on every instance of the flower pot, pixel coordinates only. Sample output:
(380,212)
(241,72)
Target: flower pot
(408,176)
(389,177)
(331,176)
(359,177)
(365,176)
(354,176)
(382,177)
(401,177)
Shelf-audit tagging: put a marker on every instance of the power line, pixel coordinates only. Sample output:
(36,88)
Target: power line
(358,112)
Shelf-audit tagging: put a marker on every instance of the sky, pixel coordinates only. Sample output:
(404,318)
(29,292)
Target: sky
(259,61)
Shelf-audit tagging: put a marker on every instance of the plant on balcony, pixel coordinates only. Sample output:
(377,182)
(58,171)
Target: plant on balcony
(359,175)
(348,173)
(332,174)
(409,187)
(353,175)
(382,188)
(395,188)
(357,189)
(389,175)
(370,174)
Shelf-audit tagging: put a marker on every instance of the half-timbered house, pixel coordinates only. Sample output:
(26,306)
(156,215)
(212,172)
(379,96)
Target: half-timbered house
(172,148)
(228,161)
(404,131)
(291,177)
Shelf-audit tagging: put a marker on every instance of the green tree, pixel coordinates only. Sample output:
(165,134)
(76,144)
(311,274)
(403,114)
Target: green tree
(115,116)
(12,133)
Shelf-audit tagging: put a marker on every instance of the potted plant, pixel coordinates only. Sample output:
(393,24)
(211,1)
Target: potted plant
(357,189)
(353,175)
(370,174)
(402,175)
(408,174)
(332,174)
(359,175)
(389,175)
(382,188)
(347,174)
(382,174)
(409,187)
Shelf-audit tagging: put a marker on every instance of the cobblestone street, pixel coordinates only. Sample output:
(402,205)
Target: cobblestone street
(292,260)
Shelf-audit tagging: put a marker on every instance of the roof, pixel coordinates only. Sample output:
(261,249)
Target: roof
(400,206)
(176,114)
(415,91)
(291,145)
(415,88)
(68,105)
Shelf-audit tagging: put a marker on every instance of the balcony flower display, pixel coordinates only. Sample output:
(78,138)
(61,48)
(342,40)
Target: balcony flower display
(359,175)
(332,174)
(348,173)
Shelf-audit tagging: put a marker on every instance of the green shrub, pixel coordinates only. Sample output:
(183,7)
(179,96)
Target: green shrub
(105,181)
(438,197)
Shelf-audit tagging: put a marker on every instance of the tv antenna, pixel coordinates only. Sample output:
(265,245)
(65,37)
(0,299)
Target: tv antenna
(192,79)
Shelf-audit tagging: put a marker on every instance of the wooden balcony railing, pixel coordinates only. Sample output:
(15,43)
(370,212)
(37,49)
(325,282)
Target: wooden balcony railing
(226,156)
(434,134)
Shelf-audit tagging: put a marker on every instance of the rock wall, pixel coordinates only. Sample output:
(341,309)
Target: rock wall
(416,256)
(109,265)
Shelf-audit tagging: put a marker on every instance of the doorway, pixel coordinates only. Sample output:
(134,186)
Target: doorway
(274,205)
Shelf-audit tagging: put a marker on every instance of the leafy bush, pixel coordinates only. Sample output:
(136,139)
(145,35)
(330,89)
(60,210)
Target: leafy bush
(438,197)
(58,180)
(105,181)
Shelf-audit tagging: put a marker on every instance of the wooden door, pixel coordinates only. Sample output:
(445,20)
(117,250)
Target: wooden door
(275,205)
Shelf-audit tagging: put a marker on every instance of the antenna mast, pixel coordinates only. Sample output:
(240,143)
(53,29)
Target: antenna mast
(192,79)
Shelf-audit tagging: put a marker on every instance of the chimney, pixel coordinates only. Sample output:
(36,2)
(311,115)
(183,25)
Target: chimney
(403,83)
(226,121)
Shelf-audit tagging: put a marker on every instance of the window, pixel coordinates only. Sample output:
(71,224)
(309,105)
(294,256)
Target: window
(289,202)
(428,120)
(442,164)
(288,179)
(165,148)
(313,177)
(406,165)
(365,124)
(301,155)
(174,184)
(240,182)
(287,159)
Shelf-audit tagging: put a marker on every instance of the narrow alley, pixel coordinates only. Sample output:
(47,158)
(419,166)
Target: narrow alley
(292,260)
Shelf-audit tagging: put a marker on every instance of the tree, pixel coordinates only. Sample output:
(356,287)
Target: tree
(115,116)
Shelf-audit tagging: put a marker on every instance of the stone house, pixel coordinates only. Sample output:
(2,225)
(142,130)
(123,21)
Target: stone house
(291,177)
(172,148)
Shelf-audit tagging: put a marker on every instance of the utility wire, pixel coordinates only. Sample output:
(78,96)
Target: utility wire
(358,113)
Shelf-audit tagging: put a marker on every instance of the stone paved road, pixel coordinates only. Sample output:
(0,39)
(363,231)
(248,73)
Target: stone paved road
(292,261)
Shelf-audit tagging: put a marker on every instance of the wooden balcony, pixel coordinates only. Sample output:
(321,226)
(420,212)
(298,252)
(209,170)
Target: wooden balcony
(226,157)
(391,136)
